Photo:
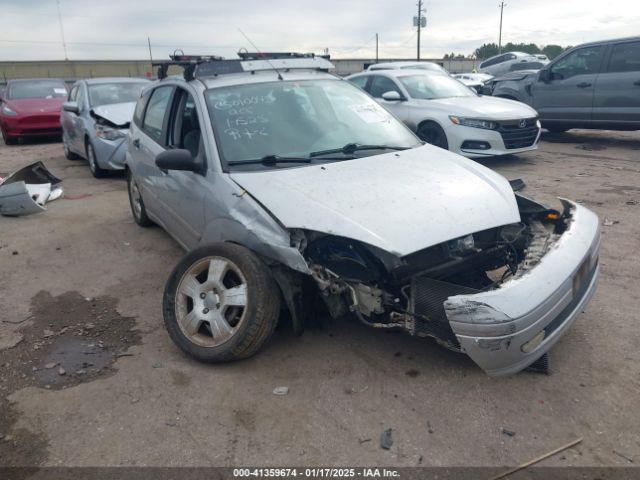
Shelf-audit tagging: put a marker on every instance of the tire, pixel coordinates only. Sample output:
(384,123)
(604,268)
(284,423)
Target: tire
(138,210)
(433,134)
(69,155)
(8,140)
(558,130)
(194,303)
(93,163)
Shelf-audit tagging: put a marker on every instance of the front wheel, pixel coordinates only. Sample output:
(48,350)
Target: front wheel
(221,303)
(93,163)
(433,134)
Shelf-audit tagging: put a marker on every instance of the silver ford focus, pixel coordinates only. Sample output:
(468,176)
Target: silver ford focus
(286,184)
(95,121)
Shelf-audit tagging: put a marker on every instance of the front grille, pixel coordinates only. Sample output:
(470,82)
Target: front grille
(427,298)
(518,133)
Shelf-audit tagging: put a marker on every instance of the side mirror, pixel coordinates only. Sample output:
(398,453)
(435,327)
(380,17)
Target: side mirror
(178,159)
(392,96)
(544,75)
(71,107)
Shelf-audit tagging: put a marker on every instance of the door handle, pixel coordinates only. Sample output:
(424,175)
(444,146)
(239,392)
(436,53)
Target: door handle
(637,83)
(583,85)
(136,142)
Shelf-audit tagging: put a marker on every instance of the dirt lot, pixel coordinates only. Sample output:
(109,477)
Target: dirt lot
(88,375)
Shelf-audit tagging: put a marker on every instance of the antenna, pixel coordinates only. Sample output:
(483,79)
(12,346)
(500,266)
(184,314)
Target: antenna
(259,52)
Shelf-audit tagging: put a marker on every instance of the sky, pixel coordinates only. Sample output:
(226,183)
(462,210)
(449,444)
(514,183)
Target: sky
(118,29)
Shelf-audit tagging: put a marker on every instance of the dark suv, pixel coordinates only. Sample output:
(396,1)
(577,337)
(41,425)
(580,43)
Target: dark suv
(595,85)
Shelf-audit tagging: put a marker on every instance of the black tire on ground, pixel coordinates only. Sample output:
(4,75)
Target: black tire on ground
(259,315)
(138,210)
(93,163)
(68,153)
(553,129)
(8,140)
(433,134)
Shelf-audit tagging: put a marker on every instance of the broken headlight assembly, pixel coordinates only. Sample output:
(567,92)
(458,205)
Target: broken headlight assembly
(108,133)
(473,122)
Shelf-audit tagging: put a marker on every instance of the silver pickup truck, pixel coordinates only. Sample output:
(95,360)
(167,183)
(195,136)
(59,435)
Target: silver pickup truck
(595,85)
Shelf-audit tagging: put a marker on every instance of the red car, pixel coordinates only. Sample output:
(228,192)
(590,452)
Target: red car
(31,108)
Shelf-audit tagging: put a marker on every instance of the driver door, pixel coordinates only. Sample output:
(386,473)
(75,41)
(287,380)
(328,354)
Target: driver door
(568,93)
(378,85)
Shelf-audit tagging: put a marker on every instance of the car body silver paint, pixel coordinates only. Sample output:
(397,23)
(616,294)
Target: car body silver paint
(492,326)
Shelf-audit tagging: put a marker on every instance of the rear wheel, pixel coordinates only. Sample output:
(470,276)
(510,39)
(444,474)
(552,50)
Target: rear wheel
(93,163)
(68,153)
(433,134)
(221,303)
(138,209)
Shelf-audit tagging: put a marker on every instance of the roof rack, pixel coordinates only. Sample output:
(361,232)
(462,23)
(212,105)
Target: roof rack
(195,66)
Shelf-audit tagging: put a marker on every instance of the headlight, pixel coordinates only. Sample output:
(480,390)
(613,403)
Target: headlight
(473,122)
(108,133)
(538,124)
(7,111)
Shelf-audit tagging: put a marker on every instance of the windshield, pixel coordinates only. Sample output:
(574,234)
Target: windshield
(109,93)
(297,118)
(431,87)
(37,89)
(424,66)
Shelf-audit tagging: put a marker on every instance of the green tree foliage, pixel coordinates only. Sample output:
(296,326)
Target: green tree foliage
(491,49)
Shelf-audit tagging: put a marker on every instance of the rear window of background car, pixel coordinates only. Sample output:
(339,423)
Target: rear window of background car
(625,57)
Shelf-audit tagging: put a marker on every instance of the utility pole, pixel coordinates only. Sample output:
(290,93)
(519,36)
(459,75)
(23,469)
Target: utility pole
(150,55)
(377,39)
(502,5)
(64,44)
(420,10)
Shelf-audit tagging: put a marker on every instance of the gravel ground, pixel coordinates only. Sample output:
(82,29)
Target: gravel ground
(89,377)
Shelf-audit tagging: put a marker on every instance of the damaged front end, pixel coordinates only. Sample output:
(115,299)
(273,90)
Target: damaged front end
(503,296)
(26,191)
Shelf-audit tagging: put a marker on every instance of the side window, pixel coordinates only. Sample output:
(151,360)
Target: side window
(73,94)
(140,105)
(380,85)
(581,62)
(80,98)
(156,110)
(184,126)
(359,81)
(625,57)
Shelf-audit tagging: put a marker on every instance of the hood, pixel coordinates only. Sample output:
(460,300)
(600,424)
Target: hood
(400,202)
(36,105)
(517,75)
(120,114)
(489,108)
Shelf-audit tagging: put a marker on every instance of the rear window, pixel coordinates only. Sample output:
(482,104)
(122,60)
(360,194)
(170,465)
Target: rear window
(36,89)
(625,57)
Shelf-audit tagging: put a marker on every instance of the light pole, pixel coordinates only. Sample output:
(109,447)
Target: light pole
(64,44)
(502,4)
(418,21)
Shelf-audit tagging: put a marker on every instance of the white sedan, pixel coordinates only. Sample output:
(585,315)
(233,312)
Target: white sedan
(446,113)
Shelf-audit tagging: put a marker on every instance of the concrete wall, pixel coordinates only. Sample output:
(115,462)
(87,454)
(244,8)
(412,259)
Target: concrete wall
(72,70)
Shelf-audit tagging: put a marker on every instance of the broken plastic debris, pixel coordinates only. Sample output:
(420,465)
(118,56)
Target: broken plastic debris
(27,190)
(607,222)
(281,390)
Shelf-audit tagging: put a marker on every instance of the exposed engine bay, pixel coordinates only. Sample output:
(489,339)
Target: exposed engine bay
(408,293)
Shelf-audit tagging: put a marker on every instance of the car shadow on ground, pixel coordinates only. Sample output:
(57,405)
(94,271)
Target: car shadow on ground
(594,139)
(27,141)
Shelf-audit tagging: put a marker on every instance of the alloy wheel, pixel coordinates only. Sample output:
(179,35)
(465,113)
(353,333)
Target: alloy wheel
(211,301)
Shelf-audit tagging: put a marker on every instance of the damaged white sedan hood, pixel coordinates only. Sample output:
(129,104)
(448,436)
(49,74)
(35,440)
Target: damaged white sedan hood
(119,114)
(400,202)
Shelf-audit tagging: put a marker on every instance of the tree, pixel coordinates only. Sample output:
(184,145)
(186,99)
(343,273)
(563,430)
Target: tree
(487,50)
(521,47)
(552,51)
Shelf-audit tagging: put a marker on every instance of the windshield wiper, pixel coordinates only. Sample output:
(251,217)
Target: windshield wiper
(270,160)
(350,148)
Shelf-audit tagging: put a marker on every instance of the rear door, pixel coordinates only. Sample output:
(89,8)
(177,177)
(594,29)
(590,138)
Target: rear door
(148,141)
(617,95)
(568,94)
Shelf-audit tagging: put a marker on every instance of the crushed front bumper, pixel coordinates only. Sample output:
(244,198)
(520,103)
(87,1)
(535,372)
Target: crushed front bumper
(110,154)
(507,329)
